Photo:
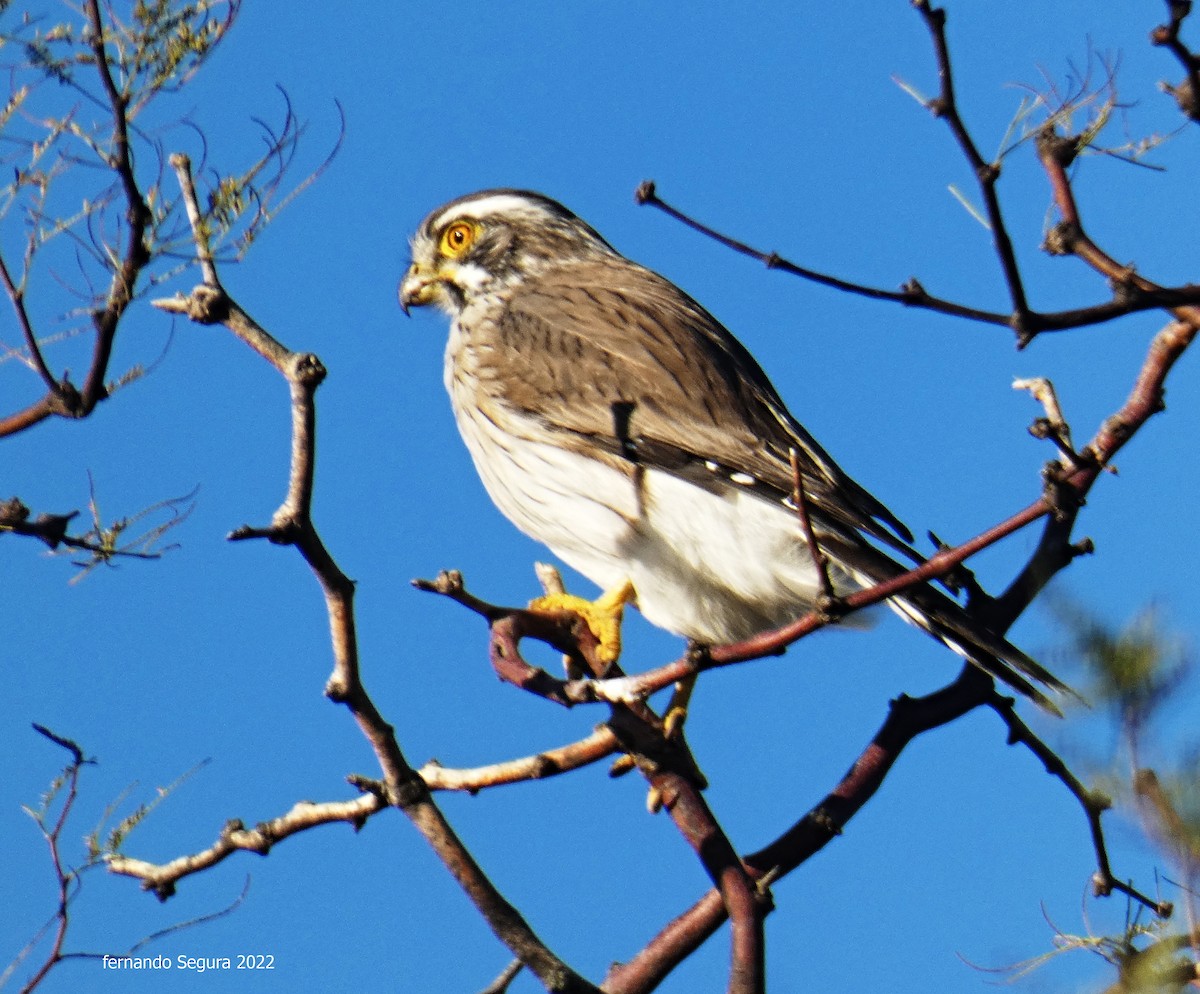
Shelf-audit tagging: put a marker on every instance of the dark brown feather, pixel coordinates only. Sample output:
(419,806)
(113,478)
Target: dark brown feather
(682,383)
(651,376)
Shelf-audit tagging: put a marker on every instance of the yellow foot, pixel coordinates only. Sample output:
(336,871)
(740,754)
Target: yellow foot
(603,615)
(677,708)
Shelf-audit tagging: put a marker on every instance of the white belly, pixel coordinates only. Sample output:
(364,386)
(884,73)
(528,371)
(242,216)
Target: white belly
(710,566)
(707,566)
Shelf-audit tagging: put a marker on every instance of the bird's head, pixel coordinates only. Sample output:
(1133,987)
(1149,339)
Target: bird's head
(485,241)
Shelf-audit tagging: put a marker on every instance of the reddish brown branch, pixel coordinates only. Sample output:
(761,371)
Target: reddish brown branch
(1065,493)
(566,631)
(914,294)
(945,106)
(62,398)
(29,416)
(1056,153)
(1055,551)
(16,296)
(1093,805)
(907,718)
(66,877)
(819,558)
(292,524)
(1187,94)
(740,901)
(1067,485)
(138,218)
(668,765)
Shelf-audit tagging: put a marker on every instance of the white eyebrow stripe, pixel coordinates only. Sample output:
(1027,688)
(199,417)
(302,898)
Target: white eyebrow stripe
(496,203)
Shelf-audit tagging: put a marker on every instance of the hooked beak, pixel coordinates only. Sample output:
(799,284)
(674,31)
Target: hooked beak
(417,288)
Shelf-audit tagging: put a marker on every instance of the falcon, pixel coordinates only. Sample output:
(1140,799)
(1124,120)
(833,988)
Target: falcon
(615,420)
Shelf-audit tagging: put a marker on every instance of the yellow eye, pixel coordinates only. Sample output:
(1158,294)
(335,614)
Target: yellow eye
(457,239)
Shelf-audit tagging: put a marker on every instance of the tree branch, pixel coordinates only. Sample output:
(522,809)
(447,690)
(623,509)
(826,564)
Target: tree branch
(1187,94)
(914,294)
(292,525)
(136,256)
(945,106)
(235,837)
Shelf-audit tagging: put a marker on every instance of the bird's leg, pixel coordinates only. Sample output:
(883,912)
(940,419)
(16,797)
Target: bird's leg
(603,616)
(681,696)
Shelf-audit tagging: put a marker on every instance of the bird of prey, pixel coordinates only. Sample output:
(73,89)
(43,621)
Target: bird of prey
(612,418)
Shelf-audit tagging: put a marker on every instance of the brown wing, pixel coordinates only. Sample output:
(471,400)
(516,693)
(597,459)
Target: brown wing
(656,377)
(613,353)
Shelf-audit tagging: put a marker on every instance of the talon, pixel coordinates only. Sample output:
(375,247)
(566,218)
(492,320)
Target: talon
(677,708)
(621,765)
(603,615)
(673,722)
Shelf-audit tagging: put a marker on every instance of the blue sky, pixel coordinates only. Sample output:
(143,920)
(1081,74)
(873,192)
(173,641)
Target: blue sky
(779,124)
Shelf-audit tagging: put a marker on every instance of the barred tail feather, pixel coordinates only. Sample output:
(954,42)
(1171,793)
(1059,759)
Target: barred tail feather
(947,621)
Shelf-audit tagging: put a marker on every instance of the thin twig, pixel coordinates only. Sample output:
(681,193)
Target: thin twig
(914,294)
(819,559)
(501,984)
(136,256)
(292,524)
(1187,94)
(547,763)
(236,837)
(1093,805)
(66,878)
(16,297)
(1053,426)
(987,174)
(1056,154)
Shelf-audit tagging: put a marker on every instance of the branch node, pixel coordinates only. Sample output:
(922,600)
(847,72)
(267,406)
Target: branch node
(1053,426)
(65,400)
(824,819)
(1062,238)
(1064,499)
(912,292)
(988,173)
(408,792)
(204,305)
(645,193)
(1059,149)
(308,370)
(937,106)
(449,582)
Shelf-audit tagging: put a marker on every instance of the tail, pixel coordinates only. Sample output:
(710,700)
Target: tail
(946,620)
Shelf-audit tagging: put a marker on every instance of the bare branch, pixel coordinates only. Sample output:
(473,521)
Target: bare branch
(235,837)
(820,560)
(292,525)
(136,256)
(945,106)
(1187,93)
(1053,426)
(550,762)
(914,294)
